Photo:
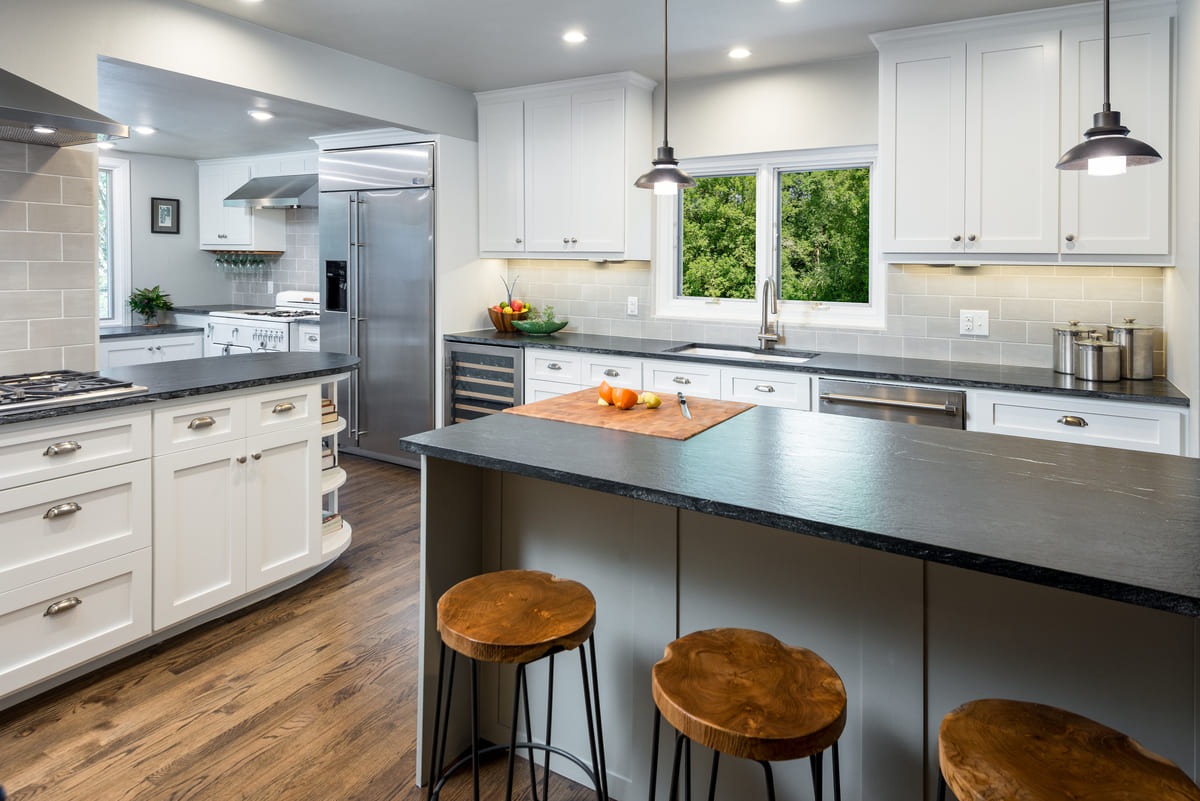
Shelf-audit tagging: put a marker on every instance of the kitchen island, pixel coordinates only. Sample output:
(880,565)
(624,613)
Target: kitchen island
(928,566)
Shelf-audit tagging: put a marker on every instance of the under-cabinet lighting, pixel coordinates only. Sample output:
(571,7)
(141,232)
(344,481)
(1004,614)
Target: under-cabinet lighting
(145,129)
(44,129)
(739,52)
(574,37)
(260,115)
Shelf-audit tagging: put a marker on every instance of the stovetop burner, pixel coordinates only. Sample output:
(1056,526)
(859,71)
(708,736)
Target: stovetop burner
(58,387)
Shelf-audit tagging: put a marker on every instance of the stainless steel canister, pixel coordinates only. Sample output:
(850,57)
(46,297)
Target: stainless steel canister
(1064,344)
(1097,360)
(1137,348)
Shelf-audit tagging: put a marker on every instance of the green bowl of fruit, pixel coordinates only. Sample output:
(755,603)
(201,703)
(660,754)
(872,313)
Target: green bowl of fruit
(539,322)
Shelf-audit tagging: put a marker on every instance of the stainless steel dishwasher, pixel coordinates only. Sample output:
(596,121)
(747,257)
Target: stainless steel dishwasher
(943,408)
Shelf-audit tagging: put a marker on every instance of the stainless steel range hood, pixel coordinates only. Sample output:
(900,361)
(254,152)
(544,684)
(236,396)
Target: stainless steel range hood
(276,192)
(33,115)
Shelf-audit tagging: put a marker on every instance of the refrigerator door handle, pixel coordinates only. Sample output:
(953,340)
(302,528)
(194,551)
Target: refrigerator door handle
(356,341)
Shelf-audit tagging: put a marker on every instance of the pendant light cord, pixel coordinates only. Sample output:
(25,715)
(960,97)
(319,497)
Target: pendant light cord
(1106,106)
(667,75)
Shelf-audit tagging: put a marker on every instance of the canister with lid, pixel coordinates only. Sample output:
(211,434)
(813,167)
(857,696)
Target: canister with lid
(1137,348)
(1064,344)
(1097,360)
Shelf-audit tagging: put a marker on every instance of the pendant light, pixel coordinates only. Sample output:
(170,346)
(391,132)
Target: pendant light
(1107,148)
(665,178)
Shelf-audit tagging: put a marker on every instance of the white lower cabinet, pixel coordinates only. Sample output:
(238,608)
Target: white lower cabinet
(783,388)
(690,378)
(541,390)
(149,349)
(283,505)
(1112,424)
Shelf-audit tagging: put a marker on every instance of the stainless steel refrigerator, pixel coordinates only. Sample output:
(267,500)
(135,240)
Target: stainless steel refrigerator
(376,251)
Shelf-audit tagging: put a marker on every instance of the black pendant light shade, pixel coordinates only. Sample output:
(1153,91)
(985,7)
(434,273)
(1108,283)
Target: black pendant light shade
(1107,148)
(665,178)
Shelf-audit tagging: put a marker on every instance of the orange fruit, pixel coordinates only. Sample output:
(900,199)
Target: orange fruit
(606,392)
(624,398)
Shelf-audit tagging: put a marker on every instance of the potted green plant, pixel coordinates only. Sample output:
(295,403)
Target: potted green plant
(149,302)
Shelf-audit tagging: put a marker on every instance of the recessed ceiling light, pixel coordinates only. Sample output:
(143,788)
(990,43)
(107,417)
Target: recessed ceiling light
(260,115)
(44,129)
(574,37)
(145,129)
(739,52)
(789,1)
(105,145)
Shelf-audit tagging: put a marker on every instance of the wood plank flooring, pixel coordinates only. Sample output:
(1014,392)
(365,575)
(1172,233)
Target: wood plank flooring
(307,696)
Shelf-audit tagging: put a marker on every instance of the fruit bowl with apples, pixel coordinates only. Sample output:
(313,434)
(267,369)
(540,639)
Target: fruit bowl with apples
(503,314)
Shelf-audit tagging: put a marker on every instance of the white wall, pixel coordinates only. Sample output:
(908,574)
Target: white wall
(1182,289)
(172,261)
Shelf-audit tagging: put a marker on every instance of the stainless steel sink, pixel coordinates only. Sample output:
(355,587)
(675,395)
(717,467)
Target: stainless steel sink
(745,354)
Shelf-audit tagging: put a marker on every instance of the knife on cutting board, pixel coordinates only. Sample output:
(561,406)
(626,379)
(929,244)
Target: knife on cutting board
(683,407)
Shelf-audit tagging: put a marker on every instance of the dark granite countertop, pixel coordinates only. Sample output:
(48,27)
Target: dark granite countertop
(1105,522)
(216,307)
(187,377)
(125,331)
(885,368)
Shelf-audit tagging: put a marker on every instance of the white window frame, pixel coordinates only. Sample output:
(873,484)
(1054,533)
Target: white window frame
(121,280)
(766,167)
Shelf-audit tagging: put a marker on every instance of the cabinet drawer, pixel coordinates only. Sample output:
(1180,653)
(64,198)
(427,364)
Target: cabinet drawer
(552,365)
(767,388)
(114,610)
(1111,424)
(541,390)
(616,371)
(68,523)
(670,377)
(283,408)
(72,445)
(206,422)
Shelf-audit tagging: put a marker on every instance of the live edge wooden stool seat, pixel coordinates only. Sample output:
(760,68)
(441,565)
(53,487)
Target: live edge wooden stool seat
(746,694)
(517,617)
(997,750)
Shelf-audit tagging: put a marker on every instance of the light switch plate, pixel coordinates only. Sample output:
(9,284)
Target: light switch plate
(973,322)
(631,306)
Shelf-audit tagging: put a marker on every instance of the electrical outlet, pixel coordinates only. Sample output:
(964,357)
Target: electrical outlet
(973,322)
(631,306)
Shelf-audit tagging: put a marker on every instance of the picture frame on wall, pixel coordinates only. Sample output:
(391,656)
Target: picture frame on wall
(164,215)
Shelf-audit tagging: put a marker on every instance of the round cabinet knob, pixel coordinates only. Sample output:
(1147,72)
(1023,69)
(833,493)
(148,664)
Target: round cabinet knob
(971,238)
(1070,237)
(566,240)
(256,456)
(241,460)
(150,349)
(158,347)
(573,240)
(519,240)
(957,237)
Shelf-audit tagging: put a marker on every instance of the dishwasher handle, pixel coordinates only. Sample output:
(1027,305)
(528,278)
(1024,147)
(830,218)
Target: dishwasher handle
(948,408)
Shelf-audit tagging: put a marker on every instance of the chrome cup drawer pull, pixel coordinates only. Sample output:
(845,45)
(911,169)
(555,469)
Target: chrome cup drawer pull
(553,366)
(764,388)
(68,508)
(1072,420)
(65,605)
(280,408)
(611,373)
(679,379)
(202,422)
(58,448)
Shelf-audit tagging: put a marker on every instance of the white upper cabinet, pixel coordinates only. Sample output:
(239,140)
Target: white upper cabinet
(230,228)
(974,115)
(1127,213)
(557,164)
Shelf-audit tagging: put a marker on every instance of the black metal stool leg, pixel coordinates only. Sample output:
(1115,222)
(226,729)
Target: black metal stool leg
(837,775)
(440,747)
(771,781)
(512,733)
(712,780)
(549,720)
(815,762)
(475,726)
(434,767)
(654,752)
(673,794)
(529,739)
(687,764)
(587,705)
(599,724)
(941,791)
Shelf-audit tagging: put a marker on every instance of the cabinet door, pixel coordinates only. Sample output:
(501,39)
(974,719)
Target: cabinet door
(598,187)
(199,530)
(548,174)
(921,93)
(502,176)
(283,505)
(171,349)
(1012,144)
(221,226)
(1122,213)
(124,352)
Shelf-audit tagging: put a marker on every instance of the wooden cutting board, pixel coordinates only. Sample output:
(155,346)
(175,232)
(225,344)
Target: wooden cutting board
(665,421)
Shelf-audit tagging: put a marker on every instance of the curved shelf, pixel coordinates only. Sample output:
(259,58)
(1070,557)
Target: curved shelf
(336,542)
(333,428)
(331,479)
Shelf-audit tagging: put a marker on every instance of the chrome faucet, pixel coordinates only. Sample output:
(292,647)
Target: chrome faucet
(767,339)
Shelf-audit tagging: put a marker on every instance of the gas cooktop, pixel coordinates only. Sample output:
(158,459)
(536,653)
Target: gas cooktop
(59,388)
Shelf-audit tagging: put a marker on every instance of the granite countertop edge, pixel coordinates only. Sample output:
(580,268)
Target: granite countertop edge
(972,375)
(133,331)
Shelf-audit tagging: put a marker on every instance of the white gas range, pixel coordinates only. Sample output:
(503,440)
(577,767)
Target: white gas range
(262,330)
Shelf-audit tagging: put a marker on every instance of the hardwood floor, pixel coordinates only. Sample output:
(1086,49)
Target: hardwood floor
(308,696)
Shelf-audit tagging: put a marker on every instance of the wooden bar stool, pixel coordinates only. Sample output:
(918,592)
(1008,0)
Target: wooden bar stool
(993,749)
(746,694)
(517,617)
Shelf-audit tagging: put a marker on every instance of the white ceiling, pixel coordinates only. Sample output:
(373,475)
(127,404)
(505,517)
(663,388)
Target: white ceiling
(492,44)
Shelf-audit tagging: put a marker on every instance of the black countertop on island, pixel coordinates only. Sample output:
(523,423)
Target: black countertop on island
(882,368)
(188,377)
(1106,522)
(129,331)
